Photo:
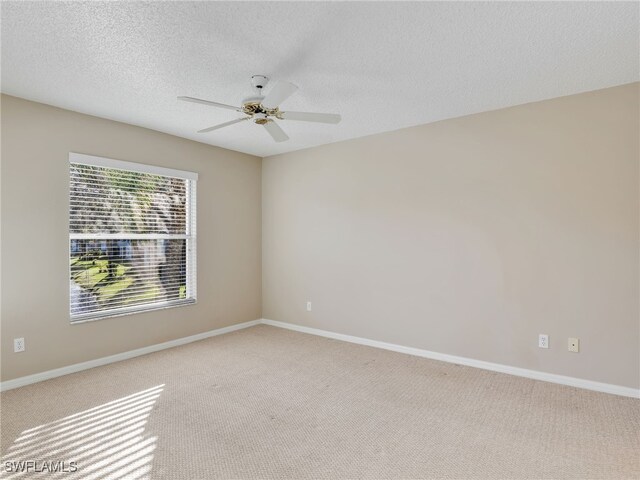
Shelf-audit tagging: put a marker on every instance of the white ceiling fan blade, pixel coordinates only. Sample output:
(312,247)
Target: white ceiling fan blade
(278,94)
(222,125)
(275,131)
(212,104)
(311,117)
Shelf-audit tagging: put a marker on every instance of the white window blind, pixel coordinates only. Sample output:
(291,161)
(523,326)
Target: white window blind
(132,237)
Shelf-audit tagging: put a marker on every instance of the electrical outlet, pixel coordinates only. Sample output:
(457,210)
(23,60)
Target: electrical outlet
(574,345)
(543,340)
(18,345)
(308,306)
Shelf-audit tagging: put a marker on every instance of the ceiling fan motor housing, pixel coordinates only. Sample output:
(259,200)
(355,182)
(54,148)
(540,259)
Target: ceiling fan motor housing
(253,106)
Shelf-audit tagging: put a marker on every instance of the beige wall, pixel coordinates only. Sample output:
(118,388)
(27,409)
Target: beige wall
(470,236)
(36,141)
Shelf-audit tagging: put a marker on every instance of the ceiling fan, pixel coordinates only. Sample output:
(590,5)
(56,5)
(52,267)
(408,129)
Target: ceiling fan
(263,110)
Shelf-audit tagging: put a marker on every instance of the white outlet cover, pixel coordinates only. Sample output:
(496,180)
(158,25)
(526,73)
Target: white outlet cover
(18,345)
(543,340)
(308,306)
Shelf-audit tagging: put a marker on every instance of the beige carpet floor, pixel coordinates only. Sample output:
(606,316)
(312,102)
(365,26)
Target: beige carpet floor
(271,403)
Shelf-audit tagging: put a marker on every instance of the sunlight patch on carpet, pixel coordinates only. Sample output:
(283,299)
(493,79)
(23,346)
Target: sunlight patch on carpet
(103,442)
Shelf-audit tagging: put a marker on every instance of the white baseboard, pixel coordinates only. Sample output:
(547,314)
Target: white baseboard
(58,372)
(495,367)
(470,362)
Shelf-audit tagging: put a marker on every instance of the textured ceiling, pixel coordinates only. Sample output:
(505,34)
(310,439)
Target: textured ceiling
(382,65)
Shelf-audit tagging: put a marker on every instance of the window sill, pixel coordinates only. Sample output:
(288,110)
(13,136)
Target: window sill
(120,312)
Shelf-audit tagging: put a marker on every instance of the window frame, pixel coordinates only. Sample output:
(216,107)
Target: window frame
(190,236)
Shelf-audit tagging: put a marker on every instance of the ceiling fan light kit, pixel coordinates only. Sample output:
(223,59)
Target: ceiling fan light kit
(263,110)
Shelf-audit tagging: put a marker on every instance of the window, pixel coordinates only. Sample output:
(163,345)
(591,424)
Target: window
(132,237)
